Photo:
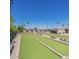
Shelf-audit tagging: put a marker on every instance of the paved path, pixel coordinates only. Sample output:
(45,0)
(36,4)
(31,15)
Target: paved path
(15,52)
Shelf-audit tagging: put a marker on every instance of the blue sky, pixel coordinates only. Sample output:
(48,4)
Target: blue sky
(40,12)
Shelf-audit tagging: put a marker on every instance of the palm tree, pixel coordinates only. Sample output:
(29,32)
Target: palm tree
(63,25)
(47,25)
(27,23)
(58,24)
(68,25)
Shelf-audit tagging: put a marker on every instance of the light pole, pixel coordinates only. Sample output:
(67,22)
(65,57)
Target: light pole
(58,24)
(68,25)
(63,25)
(27,23)
(47,25)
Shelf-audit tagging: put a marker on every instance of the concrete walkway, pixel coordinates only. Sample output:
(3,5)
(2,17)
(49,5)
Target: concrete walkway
(15,52)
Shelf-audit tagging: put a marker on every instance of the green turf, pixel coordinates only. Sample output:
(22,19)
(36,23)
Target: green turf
(60,47)
(57,35)
(32,49)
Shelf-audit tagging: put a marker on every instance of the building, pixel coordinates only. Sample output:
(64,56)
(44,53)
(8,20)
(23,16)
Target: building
(60,30)
(63,31)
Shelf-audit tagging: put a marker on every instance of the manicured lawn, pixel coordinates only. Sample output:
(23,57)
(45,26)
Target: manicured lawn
(60,47)
(32,49)
(57,35)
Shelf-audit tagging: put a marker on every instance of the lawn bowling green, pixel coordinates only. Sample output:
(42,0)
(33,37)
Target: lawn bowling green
(58,35)
(60,47)
(30,48)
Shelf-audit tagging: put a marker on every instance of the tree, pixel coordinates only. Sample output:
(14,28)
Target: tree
(20,28)
(11,21)
(27,23)
(36,29)
(63,25)
(12,27)
(47,25)
(68,25)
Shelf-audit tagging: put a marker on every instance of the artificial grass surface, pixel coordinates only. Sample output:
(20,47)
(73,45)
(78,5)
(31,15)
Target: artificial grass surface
(32,49)
(60,47)
(57,35)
